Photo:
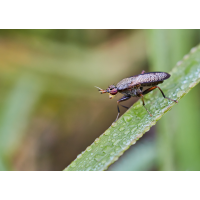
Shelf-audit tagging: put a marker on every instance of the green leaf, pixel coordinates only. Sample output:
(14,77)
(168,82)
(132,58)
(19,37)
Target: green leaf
(136,121)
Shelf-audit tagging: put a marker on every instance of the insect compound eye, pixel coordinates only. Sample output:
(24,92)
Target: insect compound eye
(111,87)
(113,91)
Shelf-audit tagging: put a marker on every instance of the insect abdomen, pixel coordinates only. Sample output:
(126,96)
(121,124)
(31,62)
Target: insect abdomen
(146,79)
(151,77)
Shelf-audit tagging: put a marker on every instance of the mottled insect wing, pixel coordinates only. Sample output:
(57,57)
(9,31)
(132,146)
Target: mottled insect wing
(151,77)
(143,79)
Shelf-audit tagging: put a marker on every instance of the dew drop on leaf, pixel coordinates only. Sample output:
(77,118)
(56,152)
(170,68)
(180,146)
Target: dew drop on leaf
(107,149)
(121,128)
(112,153)
(180,93)
(126,132)
(97,140)
(89,148)
(127,118)
(79,156)
(116,142)
(107,132)
(98,157)
(73,164)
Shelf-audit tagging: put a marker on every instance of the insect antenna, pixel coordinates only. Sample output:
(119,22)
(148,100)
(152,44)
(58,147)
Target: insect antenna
(98,88)
(101,90)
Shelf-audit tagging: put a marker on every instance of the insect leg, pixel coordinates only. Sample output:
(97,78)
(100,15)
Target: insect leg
(142,72)
(154,87)
(124,98)
(141,95)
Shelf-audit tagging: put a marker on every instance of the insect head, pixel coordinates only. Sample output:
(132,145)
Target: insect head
(112,90)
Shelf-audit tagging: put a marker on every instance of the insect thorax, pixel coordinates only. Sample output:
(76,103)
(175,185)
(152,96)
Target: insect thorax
(133,92)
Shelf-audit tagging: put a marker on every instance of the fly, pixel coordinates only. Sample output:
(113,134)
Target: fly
(133,87)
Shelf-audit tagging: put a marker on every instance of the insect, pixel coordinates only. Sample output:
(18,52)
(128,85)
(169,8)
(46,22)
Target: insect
(133,87)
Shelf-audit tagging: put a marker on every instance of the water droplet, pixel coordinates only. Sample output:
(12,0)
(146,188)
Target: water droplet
(157,111)
(191,76)
(107,132)
(91,154)
(174,94)
(185,81)
(148,102)
(79,156)
(134,129)
(112,153)
(152,107)
(133,142)
(98,157)
(140,125)
(162,105)
(126,132)
(138,105)
(103,161)
(158,117)
(115,134)
(121,129)
(179,63)
(117,149)
(166,109)
(115,143)
(180,93)
(146,129)
(73,164)
(186,57)
(127,118)
(114,124)
(193,49)
(166,100)
(139,136)
(89,148)
(107,149)
(183,86)
(90,158)
(142,113)
(113,140)
(192,85)
(97,140)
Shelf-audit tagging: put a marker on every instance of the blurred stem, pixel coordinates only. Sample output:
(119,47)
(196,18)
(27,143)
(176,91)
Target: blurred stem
(16,113)
(159,61)
(166,48)
(186,149)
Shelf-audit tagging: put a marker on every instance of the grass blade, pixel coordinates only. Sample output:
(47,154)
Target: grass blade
(135,122)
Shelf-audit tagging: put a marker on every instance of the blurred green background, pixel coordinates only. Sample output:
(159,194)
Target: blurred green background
(50,110)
